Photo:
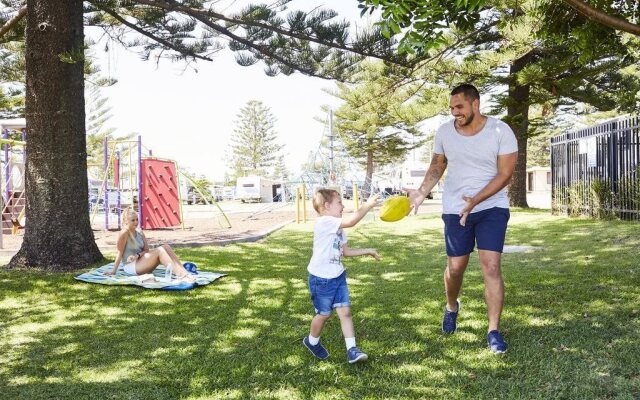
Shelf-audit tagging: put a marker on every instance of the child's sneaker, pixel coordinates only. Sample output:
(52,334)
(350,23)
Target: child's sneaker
(449,319)
(318,350)
(496,342)
(355,355)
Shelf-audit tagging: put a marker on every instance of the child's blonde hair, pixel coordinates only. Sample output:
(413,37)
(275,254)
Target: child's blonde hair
(323,196)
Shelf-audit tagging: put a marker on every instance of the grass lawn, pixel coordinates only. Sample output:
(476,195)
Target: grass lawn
(572,320)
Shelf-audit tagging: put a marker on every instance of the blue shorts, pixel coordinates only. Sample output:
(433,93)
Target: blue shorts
(487,227)
(329,293)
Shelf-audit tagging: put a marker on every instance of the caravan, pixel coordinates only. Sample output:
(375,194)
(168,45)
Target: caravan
(258,189)
(412,176)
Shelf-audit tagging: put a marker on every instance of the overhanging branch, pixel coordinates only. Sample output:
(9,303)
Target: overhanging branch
(13,21)
(153,37)
(171,5)
(602,17)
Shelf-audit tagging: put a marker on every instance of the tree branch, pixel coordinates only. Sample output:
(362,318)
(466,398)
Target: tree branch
(259,48)
(141,31)
(13,21)
(171,5)
(602,17)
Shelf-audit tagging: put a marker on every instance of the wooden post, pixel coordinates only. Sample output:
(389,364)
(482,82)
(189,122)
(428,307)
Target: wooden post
(298,204)
(356,197)
(304,203)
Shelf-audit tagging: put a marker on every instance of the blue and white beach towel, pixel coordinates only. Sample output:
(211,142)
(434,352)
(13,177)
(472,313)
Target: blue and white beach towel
(157,280)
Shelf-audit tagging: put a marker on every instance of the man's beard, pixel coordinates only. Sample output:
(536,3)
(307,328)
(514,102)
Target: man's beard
(468,120)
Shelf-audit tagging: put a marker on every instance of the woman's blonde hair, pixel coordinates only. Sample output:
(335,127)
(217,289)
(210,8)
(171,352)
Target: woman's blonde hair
(128,213)
(323,196)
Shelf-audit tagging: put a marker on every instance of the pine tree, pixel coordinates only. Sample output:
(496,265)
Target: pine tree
(254,146)
(281,172)
(378,125)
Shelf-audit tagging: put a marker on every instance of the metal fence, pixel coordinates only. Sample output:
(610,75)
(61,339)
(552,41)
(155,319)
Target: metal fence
(595,171)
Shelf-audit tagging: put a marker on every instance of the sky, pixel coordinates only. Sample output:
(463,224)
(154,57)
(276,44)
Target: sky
(190,116)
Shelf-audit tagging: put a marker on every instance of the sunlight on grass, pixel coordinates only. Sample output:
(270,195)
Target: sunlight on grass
(119,371)
(571,318)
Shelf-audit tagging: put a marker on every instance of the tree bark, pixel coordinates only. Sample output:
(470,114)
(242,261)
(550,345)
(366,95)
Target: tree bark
(58,234)
(518,119)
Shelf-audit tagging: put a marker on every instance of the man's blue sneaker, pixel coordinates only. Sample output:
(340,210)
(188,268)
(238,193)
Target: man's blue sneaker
(354,355)
(449,320)
(496,342)
(317,350)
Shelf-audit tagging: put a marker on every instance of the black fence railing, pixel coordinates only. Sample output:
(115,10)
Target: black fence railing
(595,170)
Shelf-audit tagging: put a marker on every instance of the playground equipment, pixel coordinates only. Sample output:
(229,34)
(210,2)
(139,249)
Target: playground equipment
(12,178)
(149,184)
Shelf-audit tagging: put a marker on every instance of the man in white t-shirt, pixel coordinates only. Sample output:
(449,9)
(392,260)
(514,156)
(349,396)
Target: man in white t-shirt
(480,153)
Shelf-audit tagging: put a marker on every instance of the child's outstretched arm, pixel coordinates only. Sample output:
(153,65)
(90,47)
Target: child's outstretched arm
(352,220)
(349,252)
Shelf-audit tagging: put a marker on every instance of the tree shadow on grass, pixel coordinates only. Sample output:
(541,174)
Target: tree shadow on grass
(570,335)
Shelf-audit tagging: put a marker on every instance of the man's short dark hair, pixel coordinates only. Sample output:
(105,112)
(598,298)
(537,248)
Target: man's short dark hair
(470,92)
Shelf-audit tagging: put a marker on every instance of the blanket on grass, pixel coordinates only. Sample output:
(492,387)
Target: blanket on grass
(156,280)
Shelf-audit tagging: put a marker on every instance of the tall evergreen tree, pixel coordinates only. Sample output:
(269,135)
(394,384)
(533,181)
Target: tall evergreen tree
(376,124)
(280,171)
(56,181)
(254,143)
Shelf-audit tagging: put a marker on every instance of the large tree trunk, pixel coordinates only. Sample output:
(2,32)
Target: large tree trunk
(58,234)
(518,119)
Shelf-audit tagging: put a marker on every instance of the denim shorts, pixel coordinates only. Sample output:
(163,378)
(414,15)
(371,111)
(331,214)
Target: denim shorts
(329,293)
(487,228)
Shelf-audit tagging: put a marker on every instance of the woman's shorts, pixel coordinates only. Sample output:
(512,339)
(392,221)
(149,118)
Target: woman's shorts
(329,293)
(130,269)
(486,228)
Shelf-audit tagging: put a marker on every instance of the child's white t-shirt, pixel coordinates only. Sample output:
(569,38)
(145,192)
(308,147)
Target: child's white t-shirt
(328,239)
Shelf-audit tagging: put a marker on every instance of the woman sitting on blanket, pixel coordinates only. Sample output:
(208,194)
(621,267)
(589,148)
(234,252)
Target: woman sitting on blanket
(133,247)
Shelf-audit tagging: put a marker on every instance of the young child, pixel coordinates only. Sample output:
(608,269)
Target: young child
(327,277)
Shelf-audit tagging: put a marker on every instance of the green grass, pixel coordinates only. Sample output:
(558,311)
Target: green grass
(571,319)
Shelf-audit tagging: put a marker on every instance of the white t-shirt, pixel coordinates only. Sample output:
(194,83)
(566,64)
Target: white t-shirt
(473,163)
(328,239)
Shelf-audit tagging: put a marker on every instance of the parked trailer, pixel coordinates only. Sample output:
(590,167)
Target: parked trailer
(258,189)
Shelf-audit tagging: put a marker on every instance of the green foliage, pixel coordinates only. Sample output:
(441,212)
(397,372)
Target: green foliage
(628,194)
(571,319)
(601,199)
(254,147)
(577,199)
(12,71)
(378,123)
(315,43)
(280,171)
(422,22)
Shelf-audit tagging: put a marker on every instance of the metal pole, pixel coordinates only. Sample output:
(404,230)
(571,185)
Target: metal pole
(331,172)
(140,184)
(5,135)
(117,181)
(105,184)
